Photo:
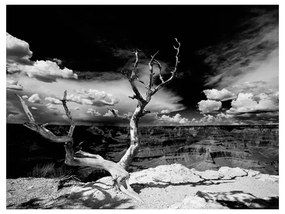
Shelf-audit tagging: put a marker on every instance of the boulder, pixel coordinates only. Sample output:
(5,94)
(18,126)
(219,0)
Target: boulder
(252,173)
(231,173)
(165,175)
(266,177)
(196,202)
(208,174)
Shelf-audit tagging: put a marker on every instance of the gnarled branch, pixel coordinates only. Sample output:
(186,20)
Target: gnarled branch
(133,77)
(173,72)
(44,132)
(119,174)
(140,109)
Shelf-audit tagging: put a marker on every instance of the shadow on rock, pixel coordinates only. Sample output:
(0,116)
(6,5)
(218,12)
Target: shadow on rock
(163,184)
(240,200)
(91,196)
(31,204)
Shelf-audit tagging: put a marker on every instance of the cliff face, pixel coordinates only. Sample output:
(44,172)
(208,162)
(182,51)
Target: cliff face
(208,148)
(202,148)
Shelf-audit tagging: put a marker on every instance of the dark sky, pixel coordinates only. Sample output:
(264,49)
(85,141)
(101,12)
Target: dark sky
(94,39)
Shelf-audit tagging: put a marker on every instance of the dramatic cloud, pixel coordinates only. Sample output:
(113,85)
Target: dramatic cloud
(35,98)
(48,71)
(12,84)
(249,57)
(175,119)
(247,103)
(90,88)
(18,60)
(17,51)
(208,106)
(93,112)
(219,95)
(93,97)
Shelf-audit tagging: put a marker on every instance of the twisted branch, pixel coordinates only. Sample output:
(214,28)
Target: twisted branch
(132,79)
(173,72)
(44,132)
(68,114)
(120,175)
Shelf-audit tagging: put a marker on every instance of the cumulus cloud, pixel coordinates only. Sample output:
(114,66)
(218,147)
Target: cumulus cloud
(93,112)
(208,106)
(35,98)
(175,119)
(48,71)
(18,60)
(219,95)
(219,119)
(248,103)
(119,89)
(165,111)
(17,51)
(93,97)
(13,84)
(51,106)
(110,114)
(53,100)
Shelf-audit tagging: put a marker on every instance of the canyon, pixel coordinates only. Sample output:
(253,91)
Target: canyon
(200,147)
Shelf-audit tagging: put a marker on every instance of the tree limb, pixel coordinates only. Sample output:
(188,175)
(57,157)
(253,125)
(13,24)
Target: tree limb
(140,111)
(26,110)
(132,79)
(160,69)
(173,72)
(68,114)
(39,128)
(119,174)
(150,84)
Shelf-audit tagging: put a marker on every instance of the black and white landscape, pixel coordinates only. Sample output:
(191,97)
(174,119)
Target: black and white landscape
(141,107)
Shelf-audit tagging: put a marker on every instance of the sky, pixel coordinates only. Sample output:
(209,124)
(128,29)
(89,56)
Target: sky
(228,71)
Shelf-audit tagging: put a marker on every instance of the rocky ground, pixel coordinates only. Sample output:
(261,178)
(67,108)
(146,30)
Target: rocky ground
(164,187)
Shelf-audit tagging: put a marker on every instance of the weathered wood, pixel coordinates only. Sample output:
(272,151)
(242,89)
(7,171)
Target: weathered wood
(118,171)
(41,128)
(119,175)
(140,109)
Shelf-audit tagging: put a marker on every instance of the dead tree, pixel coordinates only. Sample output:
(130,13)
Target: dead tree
(118,170)
(142,102)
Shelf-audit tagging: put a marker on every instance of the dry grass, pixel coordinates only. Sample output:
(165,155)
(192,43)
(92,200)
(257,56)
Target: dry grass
(48,170)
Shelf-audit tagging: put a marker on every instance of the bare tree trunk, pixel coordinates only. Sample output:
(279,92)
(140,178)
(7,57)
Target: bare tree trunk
(134,138)
(140,111)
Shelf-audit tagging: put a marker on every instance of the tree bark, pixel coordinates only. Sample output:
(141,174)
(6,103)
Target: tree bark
(134,138)
(140,111)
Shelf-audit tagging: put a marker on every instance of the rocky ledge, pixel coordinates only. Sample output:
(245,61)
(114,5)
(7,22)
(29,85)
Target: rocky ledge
(163,187)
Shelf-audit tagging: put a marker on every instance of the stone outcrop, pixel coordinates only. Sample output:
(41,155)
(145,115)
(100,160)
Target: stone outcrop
(167,186)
